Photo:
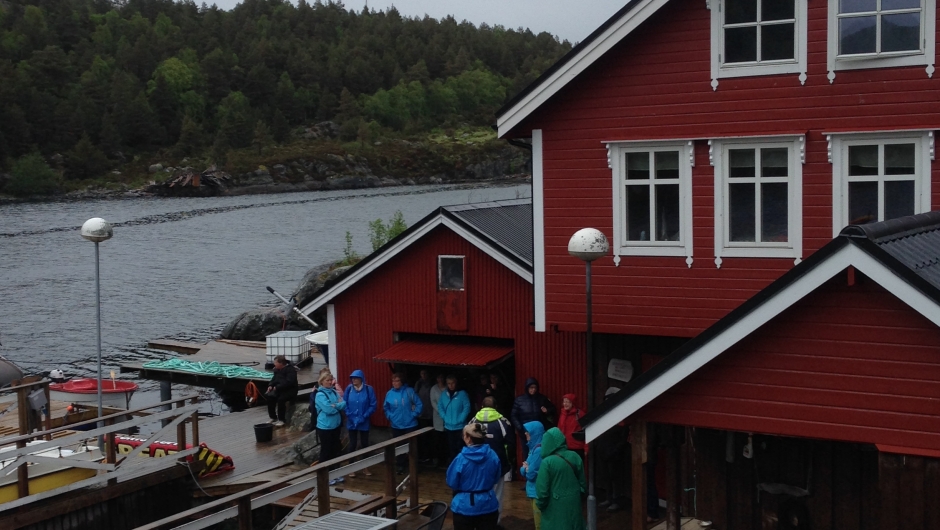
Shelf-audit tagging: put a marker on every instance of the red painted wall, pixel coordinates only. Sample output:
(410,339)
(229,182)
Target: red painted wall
(656,85)
(401,296)
(846,363)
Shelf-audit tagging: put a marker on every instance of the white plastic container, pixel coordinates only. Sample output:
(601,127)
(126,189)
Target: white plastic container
(290,344)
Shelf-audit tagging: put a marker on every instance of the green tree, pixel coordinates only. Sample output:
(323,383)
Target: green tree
(236,120)
(191,138)
(381,233)
(85,160)
(31,175)
(261,139)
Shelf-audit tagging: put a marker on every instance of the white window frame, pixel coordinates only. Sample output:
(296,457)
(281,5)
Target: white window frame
(793,247)
(616,153)
(440,272)
(838,156)
(719,70)
(925,56)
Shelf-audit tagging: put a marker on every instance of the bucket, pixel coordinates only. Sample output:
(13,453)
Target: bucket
(264,432)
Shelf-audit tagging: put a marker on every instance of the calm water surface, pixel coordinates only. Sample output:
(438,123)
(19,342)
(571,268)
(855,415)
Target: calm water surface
(176,268)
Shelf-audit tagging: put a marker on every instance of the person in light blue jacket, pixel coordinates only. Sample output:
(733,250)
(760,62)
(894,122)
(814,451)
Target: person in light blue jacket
(402,407)
(454,407)
(360,404)
(472,476)
(330,406)
(530,468)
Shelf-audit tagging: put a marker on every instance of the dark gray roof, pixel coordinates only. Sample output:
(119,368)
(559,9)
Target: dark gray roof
(506,223)
(914,241)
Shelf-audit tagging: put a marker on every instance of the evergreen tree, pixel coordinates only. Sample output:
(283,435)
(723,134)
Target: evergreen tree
(85,160)
(191,138)
(262,137)
(31,175)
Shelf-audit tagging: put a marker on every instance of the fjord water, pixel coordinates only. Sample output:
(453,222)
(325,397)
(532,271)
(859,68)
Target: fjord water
(176,267)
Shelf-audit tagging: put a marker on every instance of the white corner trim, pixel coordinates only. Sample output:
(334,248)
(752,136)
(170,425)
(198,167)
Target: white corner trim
(568,71)
(538,230)
(331,337)
(850,255)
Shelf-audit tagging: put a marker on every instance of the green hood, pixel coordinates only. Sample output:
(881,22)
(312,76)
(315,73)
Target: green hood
(487,415)
(553,441)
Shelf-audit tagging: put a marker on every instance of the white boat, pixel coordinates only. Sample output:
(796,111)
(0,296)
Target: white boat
(114,394)
(49,474)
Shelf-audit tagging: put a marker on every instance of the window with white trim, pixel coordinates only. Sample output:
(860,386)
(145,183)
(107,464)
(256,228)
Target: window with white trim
(450,273)
(758,197)
(757,37)
(879,177)
(881,33)
(652,199)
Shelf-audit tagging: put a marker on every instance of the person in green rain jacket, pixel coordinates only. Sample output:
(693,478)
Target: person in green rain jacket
(560,484)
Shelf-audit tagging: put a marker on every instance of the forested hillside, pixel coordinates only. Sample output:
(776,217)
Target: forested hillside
(101,82)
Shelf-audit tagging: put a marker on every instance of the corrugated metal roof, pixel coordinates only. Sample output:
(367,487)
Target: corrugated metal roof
(444,353)
(507,223)
(914,241)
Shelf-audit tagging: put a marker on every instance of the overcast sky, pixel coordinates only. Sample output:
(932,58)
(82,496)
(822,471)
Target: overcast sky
(568,19)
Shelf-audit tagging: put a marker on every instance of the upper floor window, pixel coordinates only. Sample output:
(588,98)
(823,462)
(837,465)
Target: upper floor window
(879,177)
(758,37)
(652,199)
(758,205)
(881,33)
(450,273)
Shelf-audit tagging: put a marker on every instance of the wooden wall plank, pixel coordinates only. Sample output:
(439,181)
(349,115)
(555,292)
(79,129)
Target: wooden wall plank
(889,485)
(911,493)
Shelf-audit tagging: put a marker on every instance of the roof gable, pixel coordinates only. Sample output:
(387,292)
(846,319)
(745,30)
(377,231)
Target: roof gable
(497,228)
(582,56)
(867,248)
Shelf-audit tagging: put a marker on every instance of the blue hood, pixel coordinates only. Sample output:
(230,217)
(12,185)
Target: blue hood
(536,430)
(359,374)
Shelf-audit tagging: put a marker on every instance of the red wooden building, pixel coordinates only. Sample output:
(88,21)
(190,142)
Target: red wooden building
(454,292)
(722,145)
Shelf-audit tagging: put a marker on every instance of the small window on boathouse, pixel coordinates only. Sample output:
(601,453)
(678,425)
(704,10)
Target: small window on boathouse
(450,273)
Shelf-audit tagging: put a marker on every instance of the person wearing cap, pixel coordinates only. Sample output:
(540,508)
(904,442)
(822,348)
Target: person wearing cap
(568,424)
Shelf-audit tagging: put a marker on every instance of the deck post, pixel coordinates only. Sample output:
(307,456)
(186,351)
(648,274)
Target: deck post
(166,394)
(390,489)
(181,430)
(195,420)
(638,489)
(244,513)
(673,485)
(413,470)
(22,472)
(323,492)
(111,455)
(48,422)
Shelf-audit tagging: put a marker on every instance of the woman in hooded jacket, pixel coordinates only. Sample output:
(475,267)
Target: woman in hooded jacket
(530,468)
(560,484)
(568,424)
(360,404)
(472,475)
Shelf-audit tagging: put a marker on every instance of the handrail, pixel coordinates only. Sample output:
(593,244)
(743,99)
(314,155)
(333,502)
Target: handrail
(25,385)
(244,502)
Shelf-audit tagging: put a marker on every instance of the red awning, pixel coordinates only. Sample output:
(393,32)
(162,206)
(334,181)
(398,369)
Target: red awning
(441,353)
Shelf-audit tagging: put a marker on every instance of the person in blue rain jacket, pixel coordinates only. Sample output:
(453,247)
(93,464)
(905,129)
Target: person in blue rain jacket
(530,468)
(330,406)
(402,407)
(360,404)
(454,407)
(472,475)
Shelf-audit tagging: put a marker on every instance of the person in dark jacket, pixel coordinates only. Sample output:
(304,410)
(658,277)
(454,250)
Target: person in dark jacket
(281,390)
(472,476)
(360,404)
(531,406)
(500,437)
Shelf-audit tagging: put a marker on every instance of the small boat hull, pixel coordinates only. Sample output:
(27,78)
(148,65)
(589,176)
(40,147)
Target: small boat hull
(114,394)
(47,475)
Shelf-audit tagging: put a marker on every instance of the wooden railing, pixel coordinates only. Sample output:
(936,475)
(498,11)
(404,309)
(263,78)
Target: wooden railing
(113,467)
(241,504)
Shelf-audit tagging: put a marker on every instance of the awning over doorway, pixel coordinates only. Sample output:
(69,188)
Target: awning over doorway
(445,353)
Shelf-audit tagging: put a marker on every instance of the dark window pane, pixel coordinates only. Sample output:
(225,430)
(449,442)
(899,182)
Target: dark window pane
(857,6)
(899,159)
(863,202)
(774,212)
(777,10)
(739,11)
(740,45)
(451,273)
(776,42)
(667,165)
(899,199)
(638,213)
(741,163)
(741,214)
(887,5)
(863,160)
(856,35)
(638,166)
(667,212)
(774,162)
(900,32)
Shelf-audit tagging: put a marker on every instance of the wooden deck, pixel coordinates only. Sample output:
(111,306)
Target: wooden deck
(242,353)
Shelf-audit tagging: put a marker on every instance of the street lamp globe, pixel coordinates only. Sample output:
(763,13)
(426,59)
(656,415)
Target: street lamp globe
(588,244)
(97,230)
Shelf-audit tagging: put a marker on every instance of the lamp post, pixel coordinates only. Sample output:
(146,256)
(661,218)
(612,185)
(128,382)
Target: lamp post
(97,230)
(589,244)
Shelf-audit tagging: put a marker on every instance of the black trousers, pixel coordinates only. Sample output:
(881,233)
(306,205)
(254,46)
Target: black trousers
(401,461)
(280,403)
(454,444)
(329,443)
(425,443)
(486,521)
